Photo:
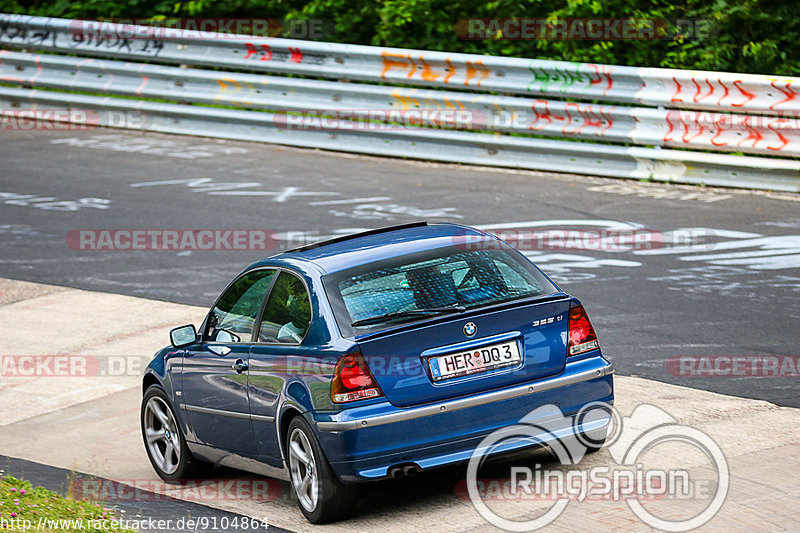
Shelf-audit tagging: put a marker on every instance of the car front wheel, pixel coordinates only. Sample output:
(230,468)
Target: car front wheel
(165,444)
(321,496)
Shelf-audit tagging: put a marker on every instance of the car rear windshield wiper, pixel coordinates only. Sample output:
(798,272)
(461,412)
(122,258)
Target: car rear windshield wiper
(410,312)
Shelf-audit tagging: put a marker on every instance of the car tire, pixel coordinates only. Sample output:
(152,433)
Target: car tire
(163,439)
(593,441)
(322,498)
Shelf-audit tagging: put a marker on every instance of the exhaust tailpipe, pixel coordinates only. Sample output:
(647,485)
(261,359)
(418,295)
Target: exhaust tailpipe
(403,470)
(410,470)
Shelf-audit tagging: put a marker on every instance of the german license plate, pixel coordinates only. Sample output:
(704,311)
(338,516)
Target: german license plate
(474,361)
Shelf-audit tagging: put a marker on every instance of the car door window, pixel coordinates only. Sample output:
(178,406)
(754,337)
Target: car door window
(234,315)
(288,312)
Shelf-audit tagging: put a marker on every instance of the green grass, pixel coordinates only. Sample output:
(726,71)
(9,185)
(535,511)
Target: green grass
(24,507)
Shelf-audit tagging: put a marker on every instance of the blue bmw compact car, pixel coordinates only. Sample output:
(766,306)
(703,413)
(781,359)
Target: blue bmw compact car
(367,357)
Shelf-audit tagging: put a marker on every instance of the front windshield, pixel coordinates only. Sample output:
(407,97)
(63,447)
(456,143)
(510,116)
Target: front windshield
(438,279)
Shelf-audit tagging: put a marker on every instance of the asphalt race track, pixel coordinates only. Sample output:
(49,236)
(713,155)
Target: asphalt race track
(716,274)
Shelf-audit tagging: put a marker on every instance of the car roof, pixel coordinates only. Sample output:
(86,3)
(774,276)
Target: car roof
(376,245)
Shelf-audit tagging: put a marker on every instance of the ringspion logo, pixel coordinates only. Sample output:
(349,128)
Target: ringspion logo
(627,440)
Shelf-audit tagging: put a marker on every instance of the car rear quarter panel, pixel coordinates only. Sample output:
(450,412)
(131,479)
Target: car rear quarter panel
(440,439)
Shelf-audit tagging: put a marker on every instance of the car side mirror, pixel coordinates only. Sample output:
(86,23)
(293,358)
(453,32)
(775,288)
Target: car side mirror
(183,336)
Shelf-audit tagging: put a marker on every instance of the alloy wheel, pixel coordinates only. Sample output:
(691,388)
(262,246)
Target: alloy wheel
(161,435)
(303,470)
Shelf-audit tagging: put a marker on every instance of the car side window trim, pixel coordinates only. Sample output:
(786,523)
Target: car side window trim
(263,306)
(207,322)
(259,318)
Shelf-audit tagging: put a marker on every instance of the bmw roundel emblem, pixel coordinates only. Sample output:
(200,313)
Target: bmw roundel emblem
(470,329)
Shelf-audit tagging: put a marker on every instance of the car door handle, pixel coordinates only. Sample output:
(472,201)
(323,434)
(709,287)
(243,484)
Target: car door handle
(219,350)
(240,366)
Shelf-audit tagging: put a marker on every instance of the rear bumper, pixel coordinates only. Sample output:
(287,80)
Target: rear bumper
(364,442)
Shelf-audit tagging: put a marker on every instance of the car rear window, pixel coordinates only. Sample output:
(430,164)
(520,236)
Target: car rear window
(440,278)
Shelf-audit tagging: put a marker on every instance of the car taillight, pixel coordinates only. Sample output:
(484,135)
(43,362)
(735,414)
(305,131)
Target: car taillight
(582,337)
(352,380)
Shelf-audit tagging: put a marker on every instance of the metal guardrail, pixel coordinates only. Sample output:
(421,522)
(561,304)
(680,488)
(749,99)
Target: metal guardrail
(610,123)
(429,144)
(694,90)
(751,114)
